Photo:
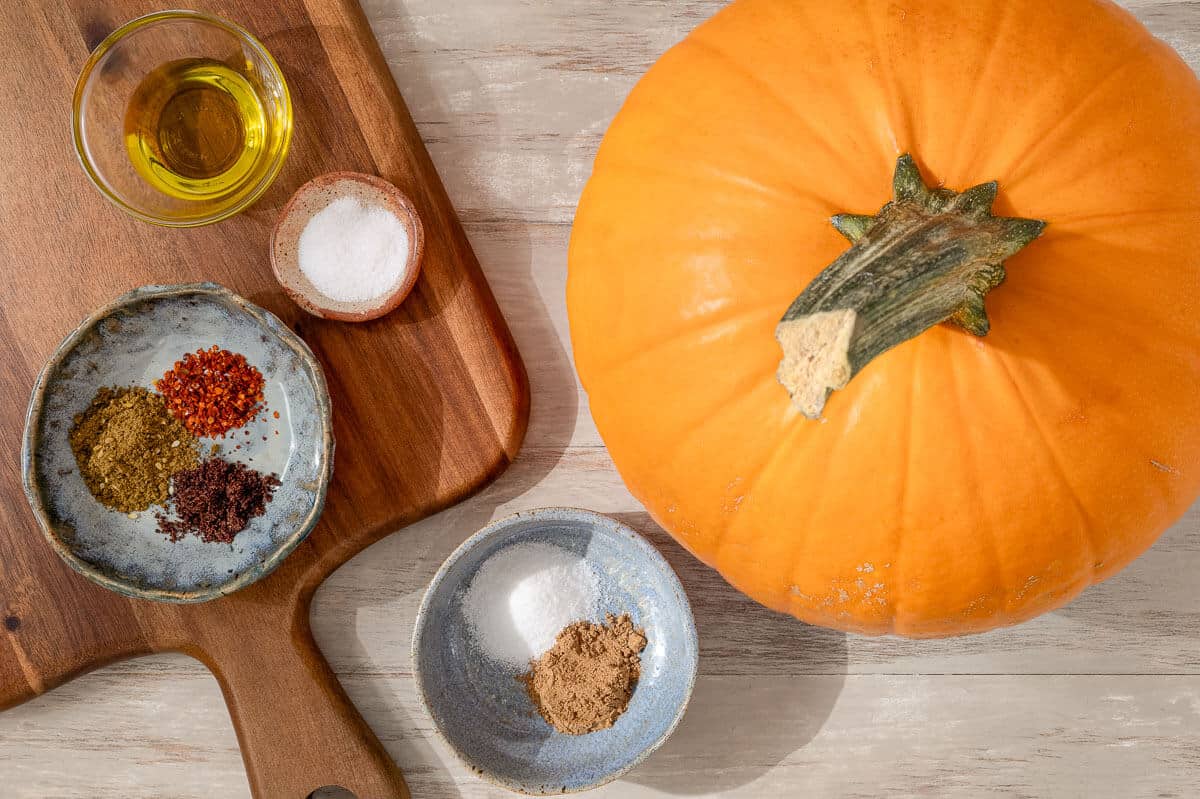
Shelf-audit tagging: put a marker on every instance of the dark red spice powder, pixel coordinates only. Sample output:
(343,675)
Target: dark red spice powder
(216,500)
(212,391)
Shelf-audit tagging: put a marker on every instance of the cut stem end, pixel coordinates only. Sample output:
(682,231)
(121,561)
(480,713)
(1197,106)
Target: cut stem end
(929,256)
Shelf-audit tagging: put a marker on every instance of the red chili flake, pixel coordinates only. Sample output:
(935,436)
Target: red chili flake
(276,414)
(212,391)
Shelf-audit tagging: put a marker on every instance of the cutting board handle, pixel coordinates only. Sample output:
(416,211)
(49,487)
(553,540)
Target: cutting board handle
(297,728)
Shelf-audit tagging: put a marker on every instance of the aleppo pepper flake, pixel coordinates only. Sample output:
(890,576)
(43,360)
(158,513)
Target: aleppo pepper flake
(212,391)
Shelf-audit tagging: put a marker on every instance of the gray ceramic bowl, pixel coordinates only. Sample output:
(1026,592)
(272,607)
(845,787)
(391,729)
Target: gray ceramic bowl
(484,714)
(133,341)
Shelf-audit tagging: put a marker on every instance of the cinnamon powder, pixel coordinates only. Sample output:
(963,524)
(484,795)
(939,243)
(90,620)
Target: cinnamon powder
(583,684)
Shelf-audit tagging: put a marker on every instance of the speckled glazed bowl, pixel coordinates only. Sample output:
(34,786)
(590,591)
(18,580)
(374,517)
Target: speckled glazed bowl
(133,341)
(484,714)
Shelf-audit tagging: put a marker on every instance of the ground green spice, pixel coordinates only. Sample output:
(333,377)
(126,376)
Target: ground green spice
(127,445)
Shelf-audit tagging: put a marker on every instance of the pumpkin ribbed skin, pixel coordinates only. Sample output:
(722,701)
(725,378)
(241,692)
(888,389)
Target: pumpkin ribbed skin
(957,483)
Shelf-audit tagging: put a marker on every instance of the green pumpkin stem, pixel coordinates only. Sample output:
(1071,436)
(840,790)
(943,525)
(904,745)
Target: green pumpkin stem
(930,256)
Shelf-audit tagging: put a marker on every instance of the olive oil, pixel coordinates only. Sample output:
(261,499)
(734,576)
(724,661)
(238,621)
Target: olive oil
(197,129)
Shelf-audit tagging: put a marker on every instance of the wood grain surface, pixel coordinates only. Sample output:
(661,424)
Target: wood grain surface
(1099,700)
(430,403)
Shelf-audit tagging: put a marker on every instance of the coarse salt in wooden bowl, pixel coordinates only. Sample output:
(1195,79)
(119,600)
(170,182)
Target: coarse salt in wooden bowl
(350,271)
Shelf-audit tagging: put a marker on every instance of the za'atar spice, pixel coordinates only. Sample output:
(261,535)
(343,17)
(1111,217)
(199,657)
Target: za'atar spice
(212,391)
(127,446)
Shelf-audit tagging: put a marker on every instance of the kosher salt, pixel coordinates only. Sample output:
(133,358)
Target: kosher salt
(354,252)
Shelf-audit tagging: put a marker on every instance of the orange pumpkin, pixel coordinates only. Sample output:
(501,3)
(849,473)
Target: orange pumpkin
(953,481)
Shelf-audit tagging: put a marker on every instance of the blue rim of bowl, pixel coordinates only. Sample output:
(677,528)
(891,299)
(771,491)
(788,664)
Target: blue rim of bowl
(144,21)
(33,423)
(600,520)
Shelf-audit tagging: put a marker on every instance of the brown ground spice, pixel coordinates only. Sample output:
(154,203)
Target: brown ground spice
(216,500)
(127,446)
(583,684)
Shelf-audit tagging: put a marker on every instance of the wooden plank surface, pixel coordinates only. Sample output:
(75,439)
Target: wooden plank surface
(1100,699)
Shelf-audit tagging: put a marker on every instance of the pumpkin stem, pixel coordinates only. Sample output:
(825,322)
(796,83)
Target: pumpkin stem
(930,256)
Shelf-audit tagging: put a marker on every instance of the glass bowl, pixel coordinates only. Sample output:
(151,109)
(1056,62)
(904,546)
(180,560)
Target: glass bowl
(121,66)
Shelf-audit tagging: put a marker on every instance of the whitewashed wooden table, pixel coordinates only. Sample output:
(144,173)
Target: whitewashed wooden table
(1100,699)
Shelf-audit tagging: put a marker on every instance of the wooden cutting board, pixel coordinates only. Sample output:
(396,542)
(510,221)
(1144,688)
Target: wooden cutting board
(430,403)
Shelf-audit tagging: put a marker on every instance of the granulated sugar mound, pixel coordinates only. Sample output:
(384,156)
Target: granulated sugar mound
(524,596)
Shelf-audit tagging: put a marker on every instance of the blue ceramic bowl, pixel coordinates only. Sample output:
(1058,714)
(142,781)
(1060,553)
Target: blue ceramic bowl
(133,341)
(485,715)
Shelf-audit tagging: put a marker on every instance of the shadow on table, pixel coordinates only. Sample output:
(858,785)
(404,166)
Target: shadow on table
(767,684)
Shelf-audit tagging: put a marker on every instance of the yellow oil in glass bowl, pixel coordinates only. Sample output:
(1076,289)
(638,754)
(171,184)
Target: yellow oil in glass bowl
(181,118)
(196,128)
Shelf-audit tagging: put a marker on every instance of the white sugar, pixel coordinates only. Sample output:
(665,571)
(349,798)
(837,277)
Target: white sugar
(521,599)
(353,252)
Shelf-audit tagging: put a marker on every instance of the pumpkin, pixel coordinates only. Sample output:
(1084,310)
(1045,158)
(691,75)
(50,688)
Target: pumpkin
(945,416)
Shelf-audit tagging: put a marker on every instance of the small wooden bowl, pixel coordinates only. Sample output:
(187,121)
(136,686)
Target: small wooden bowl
(313,197)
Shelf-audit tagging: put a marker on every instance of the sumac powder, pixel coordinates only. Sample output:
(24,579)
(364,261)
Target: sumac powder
(216,500)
